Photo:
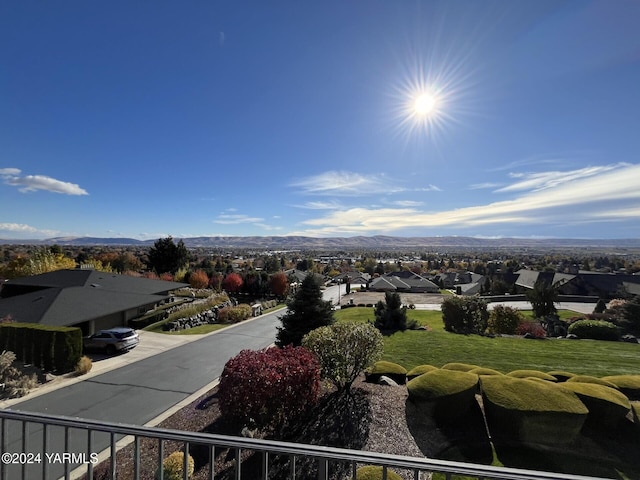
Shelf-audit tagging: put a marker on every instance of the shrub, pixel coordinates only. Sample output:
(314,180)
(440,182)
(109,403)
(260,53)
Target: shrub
(419,370)
(561,376)
(608,407)
(84,365)
(590,379)
(389,369)
(372,472)
(234,314)
(199,279)
(460,367)
(531,412)
(600,307)
(532,374)
(269,387)
(627,384)
(173,467)
(595,329)
(485,371)
(465,315)
(504,320)
(344,350)
(15,384)
(447,395)
(532,328)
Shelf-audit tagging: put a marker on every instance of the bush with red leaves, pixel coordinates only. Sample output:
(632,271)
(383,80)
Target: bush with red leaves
(532,328)
(269,388)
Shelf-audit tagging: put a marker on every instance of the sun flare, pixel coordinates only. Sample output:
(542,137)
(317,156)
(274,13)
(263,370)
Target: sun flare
(426,104)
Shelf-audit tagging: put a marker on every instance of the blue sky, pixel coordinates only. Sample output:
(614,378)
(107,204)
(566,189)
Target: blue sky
(476,118)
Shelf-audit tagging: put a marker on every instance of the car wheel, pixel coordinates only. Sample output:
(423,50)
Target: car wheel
(110,350)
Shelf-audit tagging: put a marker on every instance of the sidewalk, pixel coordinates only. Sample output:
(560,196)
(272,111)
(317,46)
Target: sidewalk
(150,344)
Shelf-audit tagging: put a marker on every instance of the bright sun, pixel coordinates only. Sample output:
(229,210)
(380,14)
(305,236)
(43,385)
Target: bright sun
(425,104)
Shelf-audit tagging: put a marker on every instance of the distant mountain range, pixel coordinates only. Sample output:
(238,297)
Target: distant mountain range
(334,243)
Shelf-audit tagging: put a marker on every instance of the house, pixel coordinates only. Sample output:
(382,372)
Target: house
(405,281)
(584,283)
(88,299)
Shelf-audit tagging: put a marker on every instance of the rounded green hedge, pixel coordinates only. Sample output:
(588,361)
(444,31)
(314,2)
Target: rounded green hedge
(485,371)
(460,367)
(371,472)
(607,406)
(533,412)
(419,370)
(561,375)
(627,384)
(590,379)
(392,370)
(446,395)
(532,374)
(595,330)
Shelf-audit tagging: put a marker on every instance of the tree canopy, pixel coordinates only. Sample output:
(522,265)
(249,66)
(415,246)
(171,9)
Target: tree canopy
(167,256)
(306,312)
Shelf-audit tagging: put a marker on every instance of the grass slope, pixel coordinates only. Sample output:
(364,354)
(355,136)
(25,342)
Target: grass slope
(437,347)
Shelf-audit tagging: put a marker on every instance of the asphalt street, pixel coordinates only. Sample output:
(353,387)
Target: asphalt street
(136,393)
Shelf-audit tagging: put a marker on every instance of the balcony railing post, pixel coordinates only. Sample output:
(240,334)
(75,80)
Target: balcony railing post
(45,448)
(185,462)
(238,463)
(323,468)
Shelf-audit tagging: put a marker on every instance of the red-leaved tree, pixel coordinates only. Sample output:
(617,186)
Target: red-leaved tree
(199,279)
(232,283)
(279,284)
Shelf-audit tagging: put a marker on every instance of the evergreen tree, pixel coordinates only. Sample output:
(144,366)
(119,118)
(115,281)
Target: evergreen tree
(306,312)
(390,314)
(543,298)
(167,257)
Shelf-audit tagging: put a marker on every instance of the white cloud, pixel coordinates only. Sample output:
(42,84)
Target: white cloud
(408,203)
(429,188)
(22,228)
(343,184)
(481,186)
(31,183)
(544,180)
(585,198)
(321,206)
(229,219)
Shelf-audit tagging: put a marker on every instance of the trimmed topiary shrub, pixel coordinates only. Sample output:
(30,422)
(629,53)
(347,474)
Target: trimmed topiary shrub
(447,395)
(344,350)
(595,330)
(460,367)
(635,408)
(561,376)
(627,384)
(173,467)
(372,472)
(419,370)
(269,387)
(531,412)
(485,371)
(607,406)
(590,379)
(532,374)
(389,369)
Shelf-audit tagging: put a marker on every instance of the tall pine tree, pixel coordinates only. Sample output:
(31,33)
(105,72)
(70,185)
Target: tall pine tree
(307,311)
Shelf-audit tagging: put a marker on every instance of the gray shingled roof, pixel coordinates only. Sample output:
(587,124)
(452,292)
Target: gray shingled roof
(69,297)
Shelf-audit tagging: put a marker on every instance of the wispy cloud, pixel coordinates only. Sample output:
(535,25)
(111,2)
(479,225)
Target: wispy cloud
(31,183)
(545,180)
(340,183)
(235,219)
(593,197)
(21,228)
(482,186)
(321,206)
(407,203)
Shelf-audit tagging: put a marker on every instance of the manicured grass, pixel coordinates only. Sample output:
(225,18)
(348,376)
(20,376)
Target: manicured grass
(437,347)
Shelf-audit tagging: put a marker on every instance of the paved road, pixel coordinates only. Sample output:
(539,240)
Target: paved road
(138,392)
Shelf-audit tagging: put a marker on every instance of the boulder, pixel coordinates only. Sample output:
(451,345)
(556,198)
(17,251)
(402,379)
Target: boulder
(384,380)
(392,370)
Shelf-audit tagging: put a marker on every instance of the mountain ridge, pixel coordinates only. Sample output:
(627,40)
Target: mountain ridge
(302,242)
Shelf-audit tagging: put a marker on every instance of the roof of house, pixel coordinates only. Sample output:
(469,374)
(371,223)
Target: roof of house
(391,281)
(528,278)
(69,297)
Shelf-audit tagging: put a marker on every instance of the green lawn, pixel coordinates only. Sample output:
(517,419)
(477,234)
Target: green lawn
(437,347)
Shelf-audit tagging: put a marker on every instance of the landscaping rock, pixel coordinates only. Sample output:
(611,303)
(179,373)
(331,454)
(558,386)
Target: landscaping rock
(384,380)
